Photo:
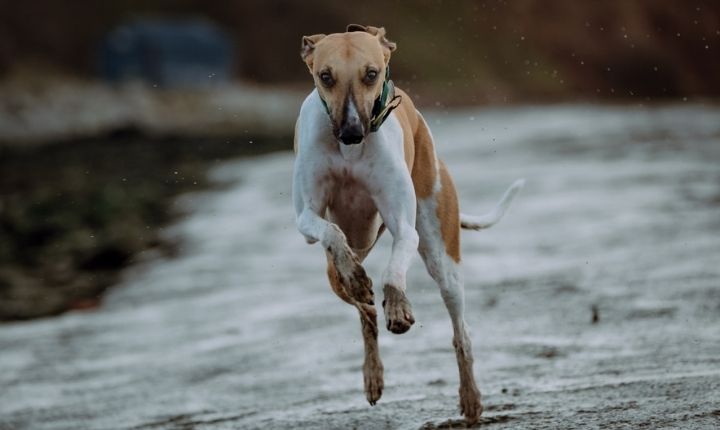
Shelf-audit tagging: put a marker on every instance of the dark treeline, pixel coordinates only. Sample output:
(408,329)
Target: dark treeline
(536,48)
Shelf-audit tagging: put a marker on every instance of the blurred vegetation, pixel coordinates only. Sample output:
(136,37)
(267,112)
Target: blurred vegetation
(72,215)
(464,50)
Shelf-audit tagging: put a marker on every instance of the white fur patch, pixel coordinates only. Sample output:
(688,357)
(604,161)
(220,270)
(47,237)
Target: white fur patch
(324,166)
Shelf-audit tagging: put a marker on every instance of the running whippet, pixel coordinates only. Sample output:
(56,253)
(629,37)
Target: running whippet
(365,161)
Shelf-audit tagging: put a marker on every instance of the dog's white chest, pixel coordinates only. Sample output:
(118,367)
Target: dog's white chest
(352,153)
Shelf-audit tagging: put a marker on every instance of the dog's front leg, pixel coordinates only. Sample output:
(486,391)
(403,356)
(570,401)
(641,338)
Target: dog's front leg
(311,194)
(398,210)
(349,281)
(350,272)
(398,312)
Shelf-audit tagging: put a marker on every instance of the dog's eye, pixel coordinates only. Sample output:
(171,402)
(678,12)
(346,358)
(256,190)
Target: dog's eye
(371,75)
(327,79)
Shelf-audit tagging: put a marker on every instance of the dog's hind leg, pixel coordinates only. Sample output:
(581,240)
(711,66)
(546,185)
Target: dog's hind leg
(438,224)
(372,366)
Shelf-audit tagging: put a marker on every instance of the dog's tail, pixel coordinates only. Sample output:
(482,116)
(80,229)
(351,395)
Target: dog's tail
(491,218)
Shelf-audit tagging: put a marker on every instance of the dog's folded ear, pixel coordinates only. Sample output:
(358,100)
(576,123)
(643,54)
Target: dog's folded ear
(355,27)
(378,32)
(307,47)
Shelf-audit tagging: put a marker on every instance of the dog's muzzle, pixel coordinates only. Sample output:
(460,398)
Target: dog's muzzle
(352,134)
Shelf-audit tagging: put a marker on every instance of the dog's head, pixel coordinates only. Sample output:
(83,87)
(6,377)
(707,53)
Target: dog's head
(349,71)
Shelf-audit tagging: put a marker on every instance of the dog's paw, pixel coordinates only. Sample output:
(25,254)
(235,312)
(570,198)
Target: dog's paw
(398,312)
(470,405)
(373,376)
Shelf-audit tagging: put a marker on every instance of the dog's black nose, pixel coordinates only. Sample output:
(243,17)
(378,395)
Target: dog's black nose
(351,135)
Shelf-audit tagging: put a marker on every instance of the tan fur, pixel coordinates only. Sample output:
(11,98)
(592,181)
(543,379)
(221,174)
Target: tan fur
(335,284)
(347,56)
(421,161)
(424,168)
(449,214)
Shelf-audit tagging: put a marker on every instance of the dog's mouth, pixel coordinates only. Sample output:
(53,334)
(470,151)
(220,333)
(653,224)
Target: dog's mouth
(352,140)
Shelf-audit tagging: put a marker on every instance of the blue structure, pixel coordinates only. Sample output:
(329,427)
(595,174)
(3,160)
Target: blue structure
(167,53)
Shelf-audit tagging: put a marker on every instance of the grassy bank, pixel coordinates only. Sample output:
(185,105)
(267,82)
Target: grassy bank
(72,215)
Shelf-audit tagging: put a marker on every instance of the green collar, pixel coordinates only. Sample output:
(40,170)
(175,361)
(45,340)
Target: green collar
(383,106)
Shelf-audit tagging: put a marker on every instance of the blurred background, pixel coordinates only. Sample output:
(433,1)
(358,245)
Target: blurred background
(108,110)
(151,275)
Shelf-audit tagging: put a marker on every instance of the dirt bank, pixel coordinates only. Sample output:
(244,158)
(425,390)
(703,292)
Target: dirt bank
(74,214)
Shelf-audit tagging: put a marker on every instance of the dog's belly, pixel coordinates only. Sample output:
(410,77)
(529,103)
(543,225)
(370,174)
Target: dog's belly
(354,211)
